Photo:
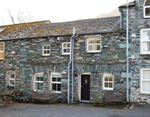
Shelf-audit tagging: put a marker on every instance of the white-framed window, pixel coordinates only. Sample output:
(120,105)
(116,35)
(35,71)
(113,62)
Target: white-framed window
(145,41)
(2,50)
(56,82)
(145,80)
(38,81)
(66,48)
(94,44)
(108,81)
(146,9)
(12,79)
(46,50)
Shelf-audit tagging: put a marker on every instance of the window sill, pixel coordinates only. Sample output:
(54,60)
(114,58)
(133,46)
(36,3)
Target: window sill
(108,89)
(57,92)
(93,52)
(45,55)
(65,54)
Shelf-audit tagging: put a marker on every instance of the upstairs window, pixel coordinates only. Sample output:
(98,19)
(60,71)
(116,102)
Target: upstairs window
(2,50)
(145,41)
(66,48)
(145,80)
(46,50)
(146,8)
(108,81)
(38,82)
(93,44)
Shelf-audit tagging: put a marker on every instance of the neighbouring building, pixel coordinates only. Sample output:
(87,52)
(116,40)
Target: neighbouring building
(139,35)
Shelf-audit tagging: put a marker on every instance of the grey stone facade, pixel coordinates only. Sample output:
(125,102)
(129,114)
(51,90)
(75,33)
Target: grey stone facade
(24,56)
(137,60)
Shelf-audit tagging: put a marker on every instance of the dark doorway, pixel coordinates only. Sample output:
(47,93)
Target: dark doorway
(85,87)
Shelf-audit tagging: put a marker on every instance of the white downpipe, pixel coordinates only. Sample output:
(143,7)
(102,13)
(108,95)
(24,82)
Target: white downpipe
(127,49)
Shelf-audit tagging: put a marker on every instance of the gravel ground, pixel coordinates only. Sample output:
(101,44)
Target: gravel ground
(65,110)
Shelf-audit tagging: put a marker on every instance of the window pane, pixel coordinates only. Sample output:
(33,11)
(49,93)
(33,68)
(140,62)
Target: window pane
(58,87)
(66,50)
(98,47)
(144,46)
(38,86)
(106,78)
(1,48)
(110,85)
(148,46)
(106,85)
(146,74)
(92,47)
(48,47)
(54,87)
(12,76)
(110,79)
(1,54)
(91,41)
(147,11)
(54,79)
(45,52)
(44,47)
(146,35)
(97,41)
(58,79)
(11,82)
(48,52)
(145,86)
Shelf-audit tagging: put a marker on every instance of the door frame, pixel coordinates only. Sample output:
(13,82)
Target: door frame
(79,85)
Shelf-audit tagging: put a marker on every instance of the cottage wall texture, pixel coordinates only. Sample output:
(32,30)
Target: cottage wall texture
(25,57)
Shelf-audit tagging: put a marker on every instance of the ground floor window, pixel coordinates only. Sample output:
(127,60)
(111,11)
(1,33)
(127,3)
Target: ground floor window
(38,82)
(12,79)
(56,82)
(108,81)
(145,80)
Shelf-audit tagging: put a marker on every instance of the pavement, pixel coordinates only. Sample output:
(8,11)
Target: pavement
(73,110)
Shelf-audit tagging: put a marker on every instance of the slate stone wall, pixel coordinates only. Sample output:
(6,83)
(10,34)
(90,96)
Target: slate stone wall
(25,57)
(137,61)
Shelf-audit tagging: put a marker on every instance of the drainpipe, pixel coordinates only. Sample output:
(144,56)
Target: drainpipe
(70,61)
(127,49)
(73,60)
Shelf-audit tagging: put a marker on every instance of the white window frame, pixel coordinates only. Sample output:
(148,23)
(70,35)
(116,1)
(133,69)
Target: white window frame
(141,80)
(144,10)
(12,79)
(38,81)
(110,75)
(52,82)
(93,38)
(46,50)
(141,41)
(3,43)
(64,53)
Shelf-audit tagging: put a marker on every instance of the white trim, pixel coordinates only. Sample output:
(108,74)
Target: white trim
(37,81)
(46,49)
(12,79)
(104,75)
(141,80)
(79,85)
(141,41)
(93,38)
(64,53)
(144,11)
(51,82)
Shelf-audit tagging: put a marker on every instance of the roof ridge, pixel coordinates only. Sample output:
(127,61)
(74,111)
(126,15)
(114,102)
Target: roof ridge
(34,22)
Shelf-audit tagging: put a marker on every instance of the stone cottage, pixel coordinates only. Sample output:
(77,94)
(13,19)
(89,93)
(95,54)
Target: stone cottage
(139,35)
(35,56)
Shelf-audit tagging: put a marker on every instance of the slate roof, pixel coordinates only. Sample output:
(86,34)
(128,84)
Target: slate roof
(45,28)
(130,4)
